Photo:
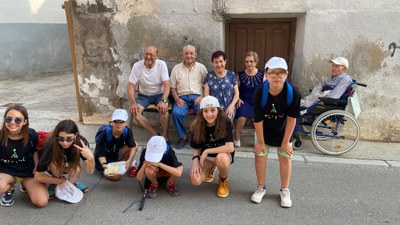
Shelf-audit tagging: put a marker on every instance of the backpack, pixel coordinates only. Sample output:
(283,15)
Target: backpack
(289,96)
(108,130)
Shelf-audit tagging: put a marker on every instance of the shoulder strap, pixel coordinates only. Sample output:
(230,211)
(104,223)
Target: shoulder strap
(289,94)
(109,134)
(125,132)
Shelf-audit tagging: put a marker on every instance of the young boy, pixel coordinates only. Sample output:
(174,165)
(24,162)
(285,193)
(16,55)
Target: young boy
(116,144)
(158,163)
(274,124)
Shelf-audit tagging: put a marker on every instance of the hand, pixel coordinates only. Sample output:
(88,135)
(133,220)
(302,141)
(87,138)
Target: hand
(134,109)
(180,102)
(229,111)
(85,151)
(127,164)
(162,107)
(196,169)
(287,147)
(239,103)
(198,100)
(258,148)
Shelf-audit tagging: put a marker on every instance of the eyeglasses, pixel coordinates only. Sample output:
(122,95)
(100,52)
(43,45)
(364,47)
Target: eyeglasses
(118,121)
(17,120)
(280,74)
(67,139)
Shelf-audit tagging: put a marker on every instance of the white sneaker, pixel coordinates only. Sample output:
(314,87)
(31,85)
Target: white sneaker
(236,143)
(286,202)
(258,194)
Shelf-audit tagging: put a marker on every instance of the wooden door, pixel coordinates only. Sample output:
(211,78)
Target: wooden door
(267,37)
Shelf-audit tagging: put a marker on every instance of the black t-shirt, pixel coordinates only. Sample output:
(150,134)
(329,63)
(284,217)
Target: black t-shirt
(169,158)
(212,142)
(46,156)
(275,113)
(17,159)
(110,150)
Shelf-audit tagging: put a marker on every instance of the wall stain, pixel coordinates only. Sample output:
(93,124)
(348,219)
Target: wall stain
(393,46)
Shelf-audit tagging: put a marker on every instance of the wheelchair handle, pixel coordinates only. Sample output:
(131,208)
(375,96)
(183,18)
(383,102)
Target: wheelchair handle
(359,84)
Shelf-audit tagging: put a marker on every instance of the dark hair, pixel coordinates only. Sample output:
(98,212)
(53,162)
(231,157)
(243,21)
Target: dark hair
(56,151)
(25,129)
(217,54)
(199,126)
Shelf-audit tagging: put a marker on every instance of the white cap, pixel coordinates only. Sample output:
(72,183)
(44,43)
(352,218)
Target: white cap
(68,192)
(120,114)
(276,63)
(155,149)
(209,102)
(340,61)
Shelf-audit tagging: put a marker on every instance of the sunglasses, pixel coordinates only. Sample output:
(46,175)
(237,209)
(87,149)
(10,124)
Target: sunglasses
(17,120)
(118,121)
(67,139)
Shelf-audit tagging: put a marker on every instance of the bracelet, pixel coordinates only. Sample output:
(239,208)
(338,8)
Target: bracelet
(196,156)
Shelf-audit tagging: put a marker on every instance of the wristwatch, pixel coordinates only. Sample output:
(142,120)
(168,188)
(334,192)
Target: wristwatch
(164,100)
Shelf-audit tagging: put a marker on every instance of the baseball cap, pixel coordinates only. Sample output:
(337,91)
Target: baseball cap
(340,61)
(208,102)
(155,149)
(68,192)
(275,63)
(120,114)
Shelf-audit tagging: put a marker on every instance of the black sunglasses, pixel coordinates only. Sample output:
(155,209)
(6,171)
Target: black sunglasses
(67,139)
(17,120)
(118,121)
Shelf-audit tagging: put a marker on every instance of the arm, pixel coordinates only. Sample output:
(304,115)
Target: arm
(43,178)
(35,160)
(340,88)
(140,174)
(195,171)
(131,156)
(290,125)
(163,107)
(134,109)
(178,100)
(172,170)
(85,152)
(260,145)
(206,90)
(230,110)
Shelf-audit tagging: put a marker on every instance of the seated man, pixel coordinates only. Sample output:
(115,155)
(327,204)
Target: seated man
(151,75)
(332,87)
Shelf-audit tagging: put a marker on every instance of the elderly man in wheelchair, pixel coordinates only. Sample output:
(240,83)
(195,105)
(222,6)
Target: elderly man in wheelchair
(326,115)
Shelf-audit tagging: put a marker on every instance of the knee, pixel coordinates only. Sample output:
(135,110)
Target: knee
(196,181)
(41,203)
(223,160)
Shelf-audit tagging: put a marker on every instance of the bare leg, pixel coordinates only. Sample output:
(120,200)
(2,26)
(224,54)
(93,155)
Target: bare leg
(285,169)
(223,162)
(261,166)
(37,192)
(164,119)
(143,122)
(239,124)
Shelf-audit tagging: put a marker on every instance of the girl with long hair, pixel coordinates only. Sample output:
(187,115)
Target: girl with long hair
(18,158)
(212,143)
(61,157)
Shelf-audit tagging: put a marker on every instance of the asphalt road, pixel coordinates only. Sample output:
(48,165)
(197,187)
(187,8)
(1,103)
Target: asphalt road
(322,193)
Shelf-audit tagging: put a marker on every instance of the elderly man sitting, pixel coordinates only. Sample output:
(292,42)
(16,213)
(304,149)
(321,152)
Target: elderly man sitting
(332,87)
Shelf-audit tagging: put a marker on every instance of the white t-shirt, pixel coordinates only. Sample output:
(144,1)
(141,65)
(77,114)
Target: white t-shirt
(149,81)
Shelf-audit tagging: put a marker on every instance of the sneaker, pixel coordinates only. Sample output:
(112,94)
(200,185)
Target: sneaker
(210,177)
(22,188)
(52,190)
(133,171)
(286,202)
(180,143)
(8,198)
(81,187)
(258,194)
(172,189)
(151,191)
(236,143)
(223,188)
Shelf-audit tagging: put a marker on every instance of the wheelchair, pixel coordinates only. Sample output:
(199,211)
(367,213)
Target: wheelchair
(331,123)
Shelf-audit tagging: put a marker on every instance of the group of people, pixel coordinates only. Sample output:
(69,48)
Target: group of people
(218,97)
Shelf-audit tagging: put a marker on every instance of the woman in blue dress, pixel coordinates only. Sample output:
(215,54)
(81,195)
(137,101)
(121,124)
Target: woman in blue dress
(249,80)
(222,84)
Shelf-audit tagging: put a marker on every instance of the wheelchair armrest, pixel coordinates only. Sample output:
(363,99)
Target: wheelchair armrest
(333,101)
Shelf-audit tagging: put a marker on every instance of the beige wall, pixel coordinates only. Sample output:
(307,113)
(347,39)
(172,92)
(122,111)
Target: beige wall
(358,30)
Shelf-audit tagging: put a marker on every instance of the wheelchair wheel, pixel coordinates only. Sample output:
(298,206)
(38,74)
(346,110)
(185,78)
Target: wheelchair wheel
(335,132)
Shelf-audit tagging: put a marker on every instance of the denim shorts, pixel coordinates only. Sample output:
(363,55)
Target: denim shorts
(145,100)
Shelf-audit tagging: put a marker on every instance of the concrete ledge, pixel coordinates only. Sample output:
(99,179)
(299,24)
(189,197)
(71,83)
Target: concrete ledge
(346,161)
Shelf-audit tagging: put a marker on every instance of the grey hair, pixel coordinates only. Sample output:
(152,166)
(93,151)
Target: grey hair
(189,46)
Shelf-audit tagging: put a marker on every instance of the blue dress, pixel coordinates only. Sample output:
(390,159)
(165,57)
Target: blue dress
(221,88)
(247,87)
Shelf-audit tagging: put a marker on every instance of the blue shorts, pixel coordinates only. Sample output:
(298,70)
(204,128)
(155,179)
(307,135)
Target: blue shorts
(145,100)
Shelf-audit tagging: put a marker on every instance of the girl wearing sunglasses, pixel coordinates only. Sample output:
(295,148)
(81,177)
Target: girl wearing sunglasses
(18,158)
(61,157)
